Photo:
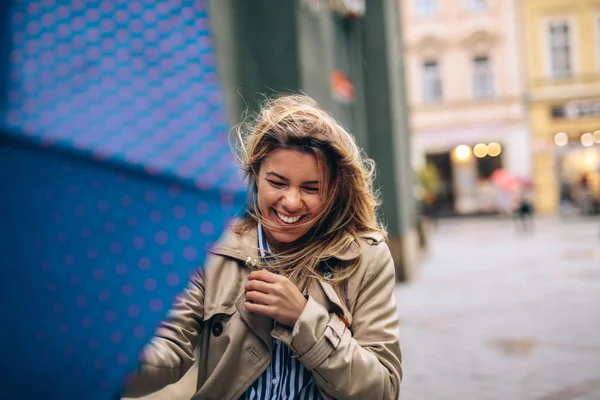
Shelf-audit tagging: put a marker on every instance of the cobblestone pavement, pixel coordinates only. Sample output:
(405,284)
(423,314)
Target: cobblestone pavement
(498,314)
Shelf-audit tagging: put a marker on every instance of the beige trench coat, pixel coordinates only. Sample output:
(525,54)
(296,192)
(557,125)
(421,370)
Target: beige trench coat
(361,361)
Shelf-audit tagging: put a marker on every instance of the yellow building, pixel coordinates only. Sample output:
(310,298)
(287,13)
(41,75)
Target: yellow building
(562,51)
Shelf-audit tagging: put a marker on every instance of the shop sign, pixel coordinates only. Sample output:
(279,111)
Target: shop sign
(342,87)
(577,109)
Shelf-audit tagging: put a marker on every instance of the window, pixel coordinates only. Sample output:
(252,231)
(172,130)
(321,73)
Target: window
(476,5)
(487,165)
(432,88)
(426,7)
(483,79)
(560,49)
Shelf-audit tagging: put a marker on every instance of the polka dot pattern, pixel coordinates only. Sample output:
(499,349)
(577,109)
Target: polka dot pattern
(98,285)
(114,146)
(97,78)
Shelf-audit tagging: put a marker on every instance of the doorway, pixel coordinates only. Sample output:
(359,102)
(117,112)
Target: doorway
(443,205)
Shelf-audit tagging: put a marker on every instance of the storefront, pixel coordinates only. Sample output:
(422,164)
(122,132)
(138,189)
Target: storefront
(578,170)
(567,155)
(465,161)
(465,177)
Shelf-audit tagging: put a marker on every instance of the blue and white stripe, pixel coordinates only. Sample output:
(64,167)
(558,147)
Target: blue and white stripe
(285,378)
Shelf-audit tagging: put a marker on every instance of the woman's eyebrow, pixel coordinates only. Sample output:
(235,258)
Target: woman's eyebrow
(283,178)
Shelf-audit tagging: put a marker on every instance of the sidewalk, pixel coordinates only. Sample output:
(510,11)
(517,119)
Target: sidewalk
(497,314)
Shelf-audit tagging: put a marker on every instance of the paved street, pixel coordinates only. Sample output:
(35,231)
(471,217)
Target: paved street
(501,315)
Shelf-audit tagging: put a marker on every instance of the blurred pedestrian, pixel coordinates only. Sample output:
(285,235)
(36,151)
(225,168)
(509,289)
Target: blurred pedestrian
(586,198)
(524,211)
(296,300)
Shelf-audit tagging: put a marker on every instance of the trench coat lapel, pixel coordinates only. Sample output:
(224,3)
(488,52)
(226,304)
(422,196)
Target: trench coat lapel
(259,324)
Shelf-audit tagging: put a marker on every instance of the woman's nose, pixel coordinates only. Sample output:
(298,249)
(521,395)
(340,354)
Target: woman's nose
(292,200)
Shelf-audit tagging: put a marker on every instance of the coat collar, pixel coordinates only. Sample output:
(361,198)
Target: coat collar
(243,246)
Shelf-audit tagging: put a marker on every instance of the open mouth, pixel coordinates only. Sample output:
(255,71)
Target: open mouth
(288,220)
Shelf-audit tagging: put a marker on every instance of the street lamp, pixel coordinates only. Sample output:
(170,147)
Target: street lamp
(462,152)
(480,150)
(587,139)
(494,149)
(561,139)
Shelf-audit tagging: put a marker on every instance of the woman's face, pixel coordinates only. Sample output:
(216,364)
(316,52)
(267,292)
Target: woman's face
(288,195)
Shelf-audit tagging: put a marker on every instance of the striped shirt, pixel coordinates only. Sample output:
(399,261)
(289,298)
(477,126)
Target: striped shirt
(285,378)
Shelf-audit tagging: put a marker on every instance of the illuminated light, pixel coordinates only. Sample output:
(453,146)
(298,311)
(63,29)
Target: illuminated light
(561,139)
(587,139)
(597,136)
(480,150)
(494,149)
(462,152)
(591,159)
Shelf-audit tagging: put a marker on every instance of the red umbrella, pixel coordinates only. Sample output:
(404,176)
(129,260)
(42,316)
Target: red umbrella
(505,180)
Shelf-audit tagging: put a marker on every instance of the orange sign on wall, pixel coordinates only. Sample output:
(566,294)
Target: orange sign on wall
(341,86)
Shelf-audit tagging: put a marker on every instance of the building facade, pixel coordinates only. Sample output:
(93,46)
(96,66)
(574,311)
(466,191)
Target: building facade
(465,82)
(562,40)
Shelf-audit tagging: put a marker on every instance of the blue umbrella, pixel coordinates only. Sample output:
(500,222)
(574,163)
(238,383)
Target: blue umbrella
(116,177)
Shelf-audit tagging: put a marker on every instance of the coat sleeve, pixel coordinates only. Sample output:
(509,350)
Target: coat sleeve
(364,363)
(171,351)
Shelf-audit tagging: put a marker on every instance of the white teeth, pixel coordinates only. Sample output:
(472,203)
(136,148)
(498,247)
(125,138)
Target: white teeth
(288,220)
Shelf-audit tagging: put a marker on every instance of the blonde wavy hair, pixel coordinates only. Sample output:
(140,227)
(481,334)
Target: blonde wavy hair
(297,122)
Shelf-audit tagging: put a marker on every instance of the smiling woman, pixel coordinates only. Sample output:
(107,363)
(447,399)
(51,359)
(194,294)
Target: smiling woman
(296,300)
(331,187)
(288,196)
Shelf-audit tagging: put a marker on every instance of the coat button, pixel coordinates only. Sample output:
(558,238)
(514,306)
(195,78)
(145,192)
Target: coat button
(217,329)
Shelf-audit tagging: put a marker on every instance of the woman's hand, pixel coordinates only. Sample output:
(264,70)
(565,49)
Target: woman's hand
(274,296)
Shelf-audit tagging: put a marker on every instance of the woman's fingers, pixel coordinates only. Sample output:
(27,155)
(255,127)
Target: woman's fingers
(259,297)
(274,296)
(264,275)
(260,286)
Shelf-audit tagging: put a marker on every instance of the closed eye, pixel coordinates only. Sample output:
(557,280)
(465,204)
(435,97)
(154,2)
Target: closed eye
(276,183)
(311,189)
